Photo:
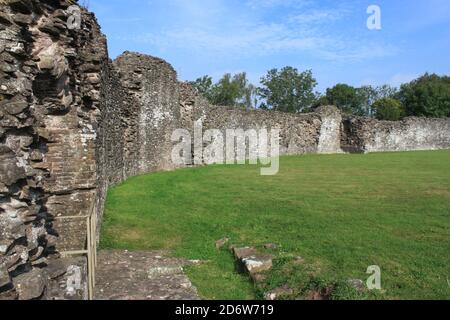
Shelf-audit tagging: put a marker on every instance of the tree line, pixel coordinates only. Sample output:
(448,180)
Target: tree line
(289,90)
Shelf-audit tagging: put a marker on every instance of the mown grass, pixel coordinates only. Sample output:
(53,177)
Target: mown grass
(341,213)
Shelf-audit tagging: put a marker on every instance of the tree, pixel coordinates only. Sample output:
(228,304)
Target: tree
(356,101)
(228,91)
(386,91)
(232,91)
(321,100)
(428,96)
(250,96)
(288,90)
(388,109)
(369,95)
(203,86)
(346,98)
(225,92)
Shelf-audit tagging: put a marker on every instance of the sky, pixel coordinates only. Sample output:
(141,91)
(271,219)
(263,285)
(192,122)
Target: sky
(330,37)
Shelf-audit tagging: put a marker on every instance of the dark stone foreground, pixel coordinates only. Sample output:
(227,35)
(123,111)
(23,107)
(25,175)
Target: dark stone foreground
(123,275)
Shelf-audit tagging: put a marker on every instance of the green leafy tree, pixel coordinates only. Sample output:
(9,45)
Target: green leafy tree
(346,98)
(428,96)
(203,86)
(388,109)
(370,94)
(228,91)
(288,90)
(386,91)
(232,91)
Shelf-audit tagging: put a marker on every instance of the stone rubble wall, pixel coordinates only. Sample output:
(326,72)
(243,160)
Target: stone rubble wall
(410,134)
(73,123)
(152,82)
(299,133)
(66,133)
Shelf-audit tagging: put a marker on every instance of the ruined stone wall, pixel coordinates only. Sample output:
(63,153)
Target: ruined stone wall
(299,133)
(117,139)
(410,134)
(153,83)
(67,131)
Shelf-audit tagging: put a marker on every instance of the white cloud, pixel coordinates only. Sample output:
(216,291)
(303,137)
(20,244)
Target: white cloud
(317,16)
(217,28)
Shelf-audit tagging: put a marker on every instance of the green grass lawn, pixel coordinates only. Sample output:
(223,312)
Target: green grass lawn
(341,213)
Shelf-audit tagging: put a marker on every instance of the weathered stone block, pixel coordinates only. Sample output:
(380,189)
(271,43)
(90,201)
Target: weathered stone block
(242,253)
(5,279)
(258,264)
(5,19)
(30,285)
(10,172)
(22,19)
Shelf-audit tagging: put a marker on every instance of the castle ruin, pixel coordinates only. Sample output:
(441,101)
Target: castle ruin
(73,123)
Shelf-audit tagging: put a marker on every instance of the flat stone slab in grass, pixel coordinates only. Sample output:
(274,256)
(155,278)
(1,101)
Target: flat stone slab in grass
(254,262)
(123,275)
(245,252)
(257,264)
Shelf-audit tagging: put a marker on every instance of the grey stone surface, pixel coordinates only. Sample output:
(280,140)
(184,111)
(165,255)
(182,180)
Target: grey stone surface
(253,260)
(125,275)
(5,279)
(67,279)
(244,252)
(258,263)
(410,134)
(49,121)
(30,285)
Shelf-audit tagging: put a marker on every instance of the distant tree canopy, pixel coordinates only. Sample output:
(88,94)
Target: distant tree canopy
(289,90)
(369,95)
(346,98)
(356,101)
(228,91)
(203,85)
(388,109)
(428,96)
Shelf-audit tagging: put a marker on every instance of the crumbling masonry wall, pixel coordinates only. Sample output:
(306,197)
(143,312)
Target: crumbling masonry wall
(67,131)
(151,82)
(73,123)
(410,134)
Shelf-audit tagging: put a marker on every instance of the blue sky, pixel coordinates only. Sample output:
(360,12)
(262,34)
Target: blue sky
(330,37)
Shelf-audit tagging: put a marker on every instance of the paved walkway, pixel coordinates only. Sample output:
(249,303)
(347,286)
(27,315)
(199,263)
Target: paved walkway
(123,275)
